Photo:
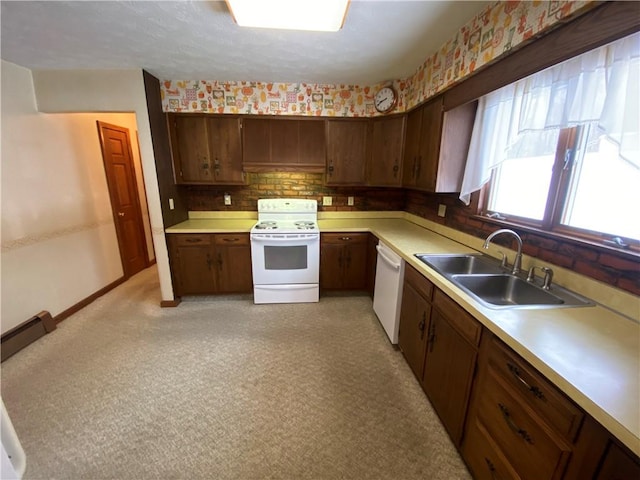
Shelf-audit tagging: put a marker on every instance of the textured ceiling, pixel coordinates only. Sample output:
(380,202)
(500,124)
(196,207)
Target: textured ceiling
(380,40)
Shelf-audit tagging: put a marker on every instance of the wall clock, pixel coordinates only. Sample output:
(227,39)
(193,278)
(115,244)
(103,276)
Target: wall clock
(386,99)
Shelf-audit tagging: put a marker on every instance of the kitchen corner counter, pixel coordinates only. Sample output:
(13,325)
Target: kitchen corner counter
(591,353)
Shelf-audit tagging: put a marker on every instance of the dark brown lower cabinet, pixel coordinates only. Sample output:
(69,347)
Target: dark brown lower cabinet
(508,420)
(210,263)
(343,261)
(439,341)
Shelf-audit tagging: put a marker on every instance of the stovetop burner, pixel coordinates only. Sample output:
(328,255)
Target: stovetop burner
(305,225)
(266,225)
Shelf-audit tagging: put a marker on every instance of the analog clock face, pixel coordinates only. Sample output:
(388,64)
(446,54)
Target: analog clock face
(385,99)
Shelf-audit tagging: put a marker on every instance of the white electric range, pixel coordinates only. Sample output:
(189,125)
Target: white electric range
(285,251)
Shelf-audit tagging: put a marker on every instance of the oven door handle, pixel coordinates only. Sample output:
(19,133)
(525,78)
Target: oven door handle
(284,239)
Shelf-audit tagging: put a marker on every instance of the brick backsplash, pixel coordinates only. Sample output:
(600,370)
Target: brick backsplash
(618,269)
(292,185)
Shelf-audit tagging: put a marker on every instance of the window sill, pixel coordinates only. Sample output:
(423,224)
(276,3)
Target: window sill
(627,253)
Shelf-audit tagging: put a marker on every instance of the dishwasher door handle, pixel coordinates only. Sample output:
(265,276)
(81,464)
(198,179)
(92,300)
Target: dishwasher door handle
(390,262)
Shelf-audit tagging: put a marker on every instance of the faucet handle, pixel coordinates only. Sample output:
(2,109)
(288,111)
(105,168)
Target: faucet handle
(548,276)
(503,261)
(531,276)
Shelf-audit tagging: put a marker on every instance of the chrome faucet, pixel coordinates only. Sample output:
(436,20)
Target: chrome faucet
(517,263)
(548,276)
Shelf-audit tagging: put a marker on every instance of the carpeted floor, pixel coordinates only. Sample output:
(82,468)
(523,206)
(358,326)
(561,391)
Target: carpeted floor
(219,388)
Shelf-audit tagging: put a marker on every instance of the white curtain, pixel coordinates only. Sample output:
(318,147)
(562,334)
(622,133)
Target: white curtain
(601,87)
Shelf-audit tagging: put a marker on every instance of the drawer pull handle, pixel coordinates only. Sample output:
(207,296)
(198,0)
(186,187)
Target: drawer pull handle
(231,239)
(193,240)
(512,425)
(515,371)
(492,468)
(346,239)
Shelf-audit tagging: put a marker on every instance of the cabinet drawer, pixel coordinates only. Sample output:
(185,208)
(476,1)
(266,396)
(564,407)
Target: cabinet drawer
(344,238)
(465,324)
(483,456)
(192,239)
(419,282)
(528,444)
(231,239)
(534,389)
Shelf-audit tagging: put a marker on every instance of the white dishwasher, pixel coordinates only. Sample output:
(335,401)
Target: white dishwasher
(387,294)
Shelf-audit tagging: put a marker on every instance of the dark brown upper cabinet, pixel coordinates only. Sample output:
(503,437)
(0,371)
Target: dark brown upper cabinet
(384,168)
(271,144)
(347,151)
(206,149)
(436,146)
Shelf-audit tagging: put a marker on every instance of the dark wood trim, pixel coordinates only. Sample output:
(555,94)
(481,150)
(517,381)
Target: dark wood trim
(26,333)
(171,303)
(83,303)
(603,24)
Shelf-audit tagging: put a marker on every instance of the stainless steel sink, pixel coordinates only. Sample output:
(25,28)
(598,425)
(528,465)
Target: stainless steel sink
(505,289)
(483,278)
(461,264)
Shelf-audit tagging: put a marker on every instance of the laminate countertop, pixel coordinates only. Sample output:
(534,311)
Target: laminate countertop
(590,353)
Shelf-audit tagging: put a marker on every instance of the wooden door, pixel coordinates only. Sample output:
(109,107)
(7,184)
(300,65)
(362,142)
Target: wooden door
(387,140)
(256,142)
(191,149)
(284,141)
(346,152)
(415,313)
(448,371)
(225,148)
(355,263)
(123,193)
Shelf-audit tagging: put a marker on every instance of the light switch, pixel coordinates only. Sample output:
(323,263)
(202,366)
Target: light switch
(350,201)
(442,210)
(327,201)
(227,199)
(171,206)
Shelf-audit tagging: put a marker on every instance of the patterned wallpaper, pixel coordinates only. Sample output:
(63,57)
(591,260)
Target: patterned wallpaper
(495,30)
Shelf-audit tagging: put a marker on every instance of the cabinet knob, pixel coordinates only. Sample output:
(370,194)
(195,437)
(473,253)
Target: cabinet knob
(345,239)
(121,214)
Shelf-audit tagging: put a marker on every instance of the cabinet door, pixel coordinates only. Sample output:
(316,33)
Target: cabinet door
(190,149)
(225,148)
(313,148)
(346,152)
(415,313)
(191,260)
(372,261)
(331,266)
(429,146)
(385,165)
(354,276)
(412,148)
(233,260)
(284,141)
(448,372)
(618,465)
(256,141)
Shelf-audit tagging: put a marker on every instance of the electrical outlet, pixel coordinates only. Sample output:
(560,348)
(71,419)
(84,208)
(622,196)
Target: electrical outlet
(327,201)
(171,206)
(442,210)
(227,199)
(350,201)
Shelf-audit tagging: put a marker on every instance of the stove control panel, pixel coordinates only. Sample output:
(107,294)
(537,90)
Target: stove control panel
(287,205)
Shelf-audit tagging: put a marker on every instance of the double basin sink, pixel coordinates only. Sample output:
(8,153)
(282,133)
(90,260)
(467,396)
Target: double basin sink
(494,286)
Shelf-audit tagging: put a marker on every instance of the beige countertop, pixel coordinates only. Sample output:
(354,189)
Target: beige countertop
(590,353)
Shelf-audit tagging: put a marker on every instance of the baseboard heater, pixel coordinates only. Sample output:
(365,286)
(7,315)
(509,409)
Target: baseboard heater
(26,333)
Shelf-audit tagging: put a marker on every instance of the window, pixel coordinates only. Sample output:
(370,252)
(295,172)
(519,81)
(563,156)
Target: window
(560,150)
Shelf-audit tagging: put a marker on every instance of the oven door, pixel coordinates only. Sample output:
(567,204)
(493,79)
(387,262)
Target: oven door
(279,259)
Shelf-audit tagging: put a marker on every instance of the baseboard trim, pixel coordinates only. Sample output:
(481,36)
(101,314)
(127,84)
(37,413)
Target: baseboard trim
(26,333)
(170,303)
(83,303)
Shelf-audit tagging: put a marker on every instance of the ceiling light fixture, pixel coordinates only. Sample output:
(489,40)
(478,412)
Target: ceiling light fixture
(314,15)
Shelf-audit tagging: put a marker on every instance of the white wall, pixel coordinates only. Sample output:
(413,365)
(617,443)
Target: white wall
(112,91)
(58,236)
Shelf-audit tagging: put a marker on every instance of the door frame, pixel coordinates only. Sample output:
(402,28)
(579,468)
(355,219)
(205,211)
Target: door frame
(112,194)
